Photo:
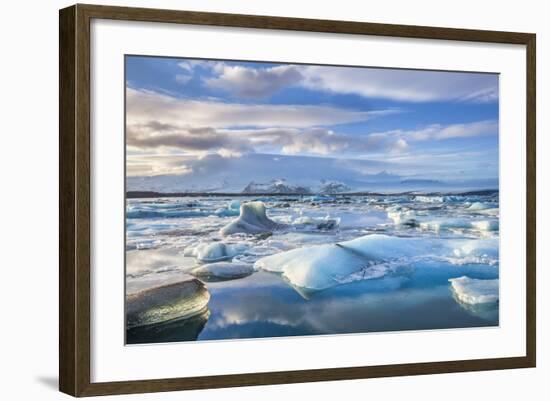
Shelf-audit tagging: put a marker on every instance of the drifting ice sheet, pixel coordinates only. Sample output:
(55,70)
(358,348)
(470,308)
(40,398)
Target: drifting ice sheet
(323,266)
(371,256)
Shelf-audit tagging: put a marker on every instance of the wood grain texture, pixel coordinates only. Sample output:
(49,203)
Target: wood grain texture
(67,131)
(74,199)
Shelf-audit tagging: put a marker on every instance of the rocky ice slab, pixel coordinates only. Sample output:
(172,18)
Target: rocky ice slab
(252,220)
(371,256)
(474,291)
(161,304)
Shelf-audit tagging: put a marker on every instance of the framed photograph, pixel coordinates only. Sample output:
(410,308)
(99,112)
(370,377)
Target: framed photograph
(250,200)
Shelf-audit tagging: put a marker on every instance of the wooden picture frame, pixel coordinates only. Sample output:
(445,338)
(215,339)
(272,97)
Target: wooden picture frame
(74,199)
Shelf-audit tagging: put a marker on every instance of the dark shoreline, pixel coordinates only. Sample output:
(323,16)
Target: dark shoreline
(153,194)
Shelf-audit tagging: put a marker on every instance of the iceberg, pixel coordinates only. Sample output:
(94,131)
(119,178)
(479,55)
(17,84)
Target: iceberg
(474,291)
(214,251)
(323,266)
(161,304)
(222,271)
(252,220)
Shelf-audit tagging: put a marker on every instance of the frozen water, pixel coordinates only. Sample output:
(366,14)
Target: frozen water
(475,291)
(337,243)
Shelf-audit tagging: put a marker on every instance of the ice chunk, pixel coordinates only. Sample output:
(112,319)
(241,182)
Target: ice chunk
(215,251)
(323,266)
(226,212)
(403,217)
(486,225)
(445,224)
(474,291)
(252,220)
(234,205)
(478,206)
(429,199)
(481,251)
(161,304)
(325,223)
(223,271)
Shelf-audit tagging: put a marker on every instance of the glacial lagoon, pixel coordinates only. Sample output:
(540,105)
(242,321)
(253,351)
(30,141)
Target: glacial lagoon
(234,267)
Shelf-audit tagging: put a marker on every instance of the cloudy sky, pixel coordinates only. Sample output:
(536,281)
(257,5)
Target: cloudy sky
(203,124)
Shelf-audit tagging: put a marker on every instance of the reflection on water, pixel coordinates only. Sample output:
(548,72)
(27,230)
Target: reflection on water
(264,305)
(172,331)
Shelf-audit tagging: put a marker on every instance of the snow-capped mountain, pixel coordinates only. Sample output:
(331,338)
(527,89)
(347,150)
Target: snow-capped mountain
(278,186)
(333,187)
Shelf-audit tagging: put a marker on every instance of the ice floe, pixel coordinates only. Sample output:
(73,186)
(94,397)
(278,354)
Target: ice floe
(319,267)
(223,271)
(215,251)
(474,291)
(252,220)
(161,304)
(323,266)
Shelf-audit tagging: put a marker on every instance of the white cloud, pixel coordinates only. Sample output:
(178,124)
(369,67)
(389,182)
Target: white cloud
(400,146)
(189,65)
(144,106)
(318,141)
(439,132)
(183,79)
(151,166)
(402,85)
(254,83)
(160,123)
(394,84)
(164,138)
